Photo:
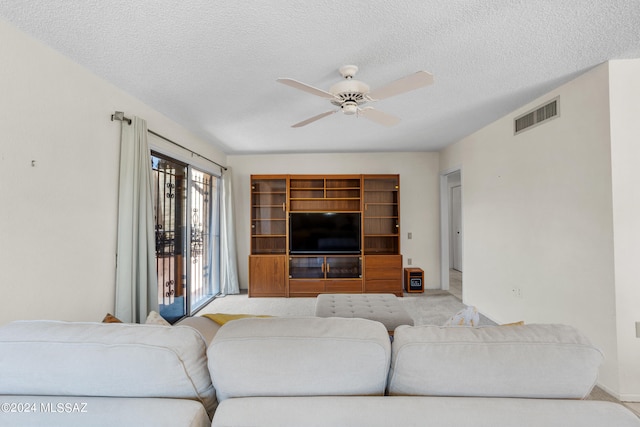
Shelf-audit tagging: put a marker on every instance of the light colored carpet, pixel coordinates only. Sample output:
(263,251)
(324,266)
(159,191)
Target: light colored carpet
(434,308)
(455,283)
(242,304)
(424,308)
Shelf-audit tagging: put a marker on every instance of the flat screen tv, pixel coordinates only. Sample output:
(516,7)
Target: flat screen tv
(324,233)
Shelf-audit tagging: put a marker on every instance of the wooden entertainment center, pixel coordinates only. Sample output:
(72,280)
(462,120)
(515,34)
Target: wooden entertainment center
(376,267)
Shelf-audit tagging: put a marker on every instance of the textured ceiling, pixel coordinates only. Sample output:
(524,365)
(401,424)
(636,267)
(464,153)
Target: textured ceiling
(212,65)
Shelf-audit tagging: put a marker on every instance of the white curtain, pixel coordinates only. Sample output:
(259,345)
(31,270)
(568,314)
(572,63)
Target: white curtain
(228,261)
(136,277)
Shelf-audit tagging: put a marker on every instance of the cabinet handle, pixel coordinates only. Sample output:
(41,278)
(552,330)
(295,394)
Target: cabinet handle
(283,207)
(328,267)
(322,267)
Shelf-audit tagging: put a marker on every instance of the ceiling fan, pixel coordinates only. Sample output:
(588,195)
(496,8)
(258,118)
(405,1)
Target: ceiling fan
(350,94)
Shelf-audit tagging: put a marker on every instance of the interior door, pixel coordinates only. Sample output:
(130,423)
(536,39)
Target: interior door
(456,227)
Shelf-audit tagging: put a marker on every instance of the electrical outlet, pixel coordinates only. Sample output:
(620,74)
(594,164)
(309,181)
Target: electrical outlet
(409,235)
(409,261)
(517,292)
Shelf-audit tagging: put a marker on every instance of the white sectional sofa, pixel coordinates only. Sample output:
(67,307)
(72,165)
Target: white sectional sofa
(299,372)
(343,372)
(97,374)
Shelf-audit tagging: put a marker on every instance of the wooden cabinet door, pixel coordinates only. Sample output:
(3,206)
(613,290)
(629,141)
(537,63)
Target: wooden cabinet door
(383,274)
(312,288)
(343,286)
(305,288)
(267,276)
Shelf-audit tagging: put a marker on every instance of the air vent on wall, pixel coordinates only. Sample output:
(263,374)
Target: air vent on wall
(536,116)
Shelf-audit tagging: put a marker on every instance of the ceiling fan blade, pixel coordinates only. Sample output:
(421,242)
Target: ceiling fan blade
(314,118)
(406,84)
(305,87)
(379,117)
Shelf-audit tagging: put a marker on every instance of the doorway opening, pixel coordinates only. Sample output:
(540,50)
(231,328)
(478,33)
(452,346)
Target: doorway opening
(451,232)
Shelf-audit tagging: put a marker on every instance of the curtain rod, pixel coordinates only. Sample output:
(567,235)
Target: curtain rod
(119,115)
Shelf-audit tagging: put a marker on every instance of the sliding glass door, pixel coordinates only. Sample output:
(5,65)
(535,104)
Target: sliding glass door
(187,236)
(205,238)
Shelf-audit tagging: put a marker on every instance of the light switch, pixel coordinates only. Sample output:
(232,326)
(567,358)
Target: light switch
(409,235)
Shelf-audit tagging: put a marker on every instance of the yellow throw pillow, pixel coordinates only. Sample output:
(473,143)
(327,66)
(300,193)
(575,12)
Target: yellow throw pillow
(222,318)
(520,323)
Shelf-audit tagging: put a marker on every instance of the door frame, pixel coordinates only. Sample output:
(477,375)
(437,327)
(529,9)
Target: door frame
(445,226)
(456,236)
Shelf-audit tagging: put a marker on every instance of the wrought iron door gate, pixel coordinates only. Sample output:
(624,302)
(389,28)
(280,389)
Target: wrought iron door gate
(186,236)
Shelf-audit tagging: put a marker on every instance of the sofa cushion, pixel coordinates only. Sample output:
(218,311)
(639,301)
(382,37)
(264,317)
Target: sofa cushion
(71,411)
(553,361)
(419,411)
(299,356)
(104,359)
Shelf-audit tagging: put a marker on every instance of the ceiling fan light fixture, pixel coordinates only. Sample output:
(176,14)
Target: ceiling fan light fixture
(349,108)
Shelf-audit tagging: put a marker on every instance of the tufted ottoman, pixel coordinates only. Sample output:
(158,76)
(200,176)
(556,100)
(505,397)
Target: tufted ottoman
(384,308)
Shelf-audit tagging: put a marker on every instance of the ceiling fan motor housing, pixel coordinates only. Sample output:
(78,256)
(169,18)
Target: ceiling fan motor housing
(349,90)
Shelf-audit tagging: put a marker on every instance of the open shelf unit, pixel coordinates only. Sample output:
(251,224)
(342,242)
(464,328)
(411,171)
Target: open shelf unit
(269,215)
(275,272)
(381,215)
(320,193)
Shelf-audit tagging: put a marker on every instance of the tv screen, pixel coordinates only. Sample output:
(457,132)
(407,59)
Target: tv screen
(324,233)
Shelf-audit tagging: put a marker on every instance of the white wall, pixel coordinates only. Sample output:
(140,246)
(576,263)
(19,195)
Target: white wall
(538,216)
(58,219)
(419,205)
(625,154)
